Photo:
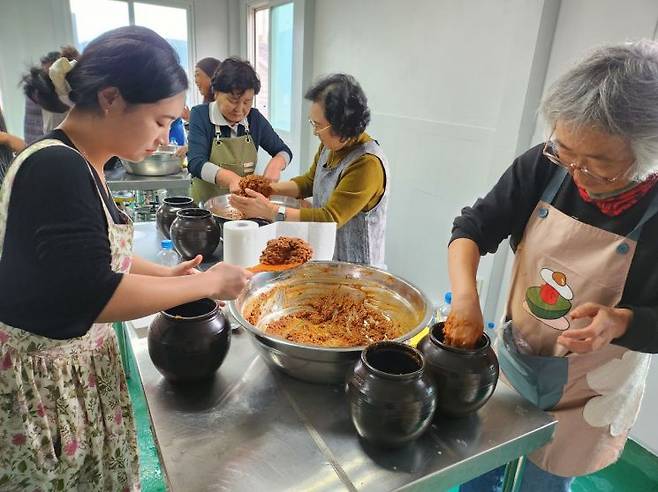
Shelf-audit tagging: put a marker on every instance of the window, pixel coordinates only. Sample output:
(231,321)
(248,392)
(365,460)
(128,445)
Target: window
(271,54)
(91,18)
(94,17)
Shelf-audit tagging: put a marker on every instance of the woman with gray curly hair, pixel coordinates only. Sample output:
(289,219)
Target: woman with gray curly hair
(348,179)
(581,213)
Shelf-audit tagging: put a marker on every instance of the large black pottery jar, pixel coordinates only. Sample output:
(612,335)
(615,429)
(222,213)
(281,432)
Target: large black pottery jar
(189,342)
(465,378)
(194,232)
(167,212)
(391,399)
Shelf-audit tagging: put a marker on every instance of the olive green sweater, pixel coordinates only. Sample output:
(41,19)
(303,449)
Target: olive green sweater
(359,188)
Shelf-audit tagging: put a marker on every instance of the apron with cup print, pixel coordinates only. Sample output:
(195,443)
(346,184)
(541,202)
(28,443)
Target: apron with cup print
(66,421)
(562,263)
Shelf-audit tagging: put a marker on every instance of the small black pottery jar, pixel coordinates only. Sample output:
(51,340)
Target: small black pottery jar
(465,378)
(189,342)
(167,212)
(391,399)
(194,232)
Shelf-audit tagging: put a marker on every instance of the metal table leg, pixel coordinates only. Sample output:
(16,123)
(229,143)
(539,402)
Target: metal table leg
(513,475)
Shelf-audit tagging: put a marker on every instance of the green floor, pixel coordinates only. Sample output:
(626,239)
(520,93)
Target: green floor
(636,471)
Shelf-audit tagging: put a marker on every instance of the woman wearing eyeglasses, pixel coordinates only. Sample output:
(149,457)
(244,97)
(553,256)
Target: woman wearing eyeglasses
(580,211)
(348,178)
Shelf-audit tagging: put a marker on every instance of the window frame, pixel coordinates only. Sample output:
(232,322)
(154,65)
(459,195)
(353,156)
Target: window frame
(188,5)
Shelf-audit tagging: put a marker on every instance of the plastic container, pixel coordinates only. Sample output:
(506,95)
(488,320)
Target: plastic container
(444,309)
(490,329)
(167,256)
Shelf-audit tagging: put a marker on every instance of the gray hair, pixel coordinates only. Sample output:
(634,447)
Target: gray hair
(615,89)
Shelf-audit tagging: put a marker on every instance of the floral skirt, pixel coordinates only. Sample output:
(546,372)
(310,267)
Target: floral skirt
(65,417)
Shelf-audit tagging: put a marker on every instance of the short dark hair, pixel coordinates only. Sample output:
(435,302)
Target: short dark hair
(345,104)
(235,76)
(208,65)
(137,61)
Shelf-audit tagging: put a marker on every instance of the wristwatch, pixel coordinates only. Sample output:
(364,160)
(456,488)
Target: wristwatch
(280,214)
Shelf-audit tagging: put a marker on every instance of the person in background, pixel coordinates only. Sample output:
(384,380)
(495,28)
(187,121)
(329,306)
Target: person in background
(348,179)
(581,211)
(39,88)
(203,71)
(67,271)
(10,145)
(33,121)
(225,134)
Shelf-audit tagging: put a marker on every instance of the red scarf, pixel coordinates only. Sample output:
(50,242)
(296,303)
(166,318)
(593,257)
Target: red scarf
(615,205)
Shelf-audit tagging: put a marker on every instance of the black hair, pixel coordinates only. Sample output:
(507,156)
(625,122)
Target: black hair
(137,61)
(208,65)
(235,76)
(344,102)
(37,84)
(3,125)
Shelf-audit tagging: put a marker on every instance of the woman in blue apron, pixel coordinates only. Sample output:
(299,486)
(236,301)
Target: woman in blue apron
(349,177)
(225,134)
(581,210)
(67,271)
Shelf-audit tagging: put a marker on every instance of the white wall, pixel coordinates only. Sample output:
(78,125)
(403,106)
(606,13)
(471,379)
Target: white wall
(31,28)
(447,84)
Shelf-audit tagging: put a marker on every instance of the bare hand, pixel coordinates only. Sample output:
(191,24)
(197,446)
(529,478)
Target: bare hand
(607,324)
(232,180)
(465,324)
(186,113)
(274,168)
(227,280)
(181,151)
(188,267)
(254,205)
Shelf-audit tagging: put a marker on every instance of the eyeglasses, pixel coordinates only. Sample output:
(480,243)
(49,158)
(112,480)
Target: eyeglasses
(552,154)
(314,125)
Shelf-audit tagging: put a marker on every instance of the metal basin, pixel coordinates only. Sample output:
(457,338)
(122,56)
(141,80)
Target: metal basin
(394,296)
(161,163)
(223,211)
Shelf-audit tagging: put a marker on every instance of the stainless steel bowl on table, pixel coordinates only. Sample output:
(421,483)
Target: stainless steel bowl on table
(162,162)
(390,294)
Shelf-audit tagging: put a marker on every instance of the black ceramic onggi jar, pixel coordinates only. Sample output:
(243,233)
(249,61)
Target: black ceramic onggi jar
(391,399)
(167,212)
(194,232)
(189,342)
(465,378)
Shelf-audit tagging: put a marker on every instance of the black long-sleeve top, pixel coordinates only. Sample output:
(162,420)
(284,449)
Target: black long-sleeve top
(506,209)
(55,269)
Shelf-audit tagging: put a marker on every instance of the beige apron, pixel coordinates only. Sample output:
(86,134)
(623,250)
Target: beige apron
(66,421)
(237,154)
(562,263)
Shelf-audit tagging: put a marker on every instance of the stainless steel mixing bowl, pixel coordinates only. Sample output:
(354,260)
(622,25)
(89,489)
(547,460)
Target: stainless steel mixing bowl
(161,163)
(393,296)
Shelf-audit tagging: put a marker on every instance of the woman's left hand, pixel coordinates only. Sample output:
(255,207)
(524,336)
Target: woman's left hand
(187,267)
(274,168)
(254,205)
(607,324)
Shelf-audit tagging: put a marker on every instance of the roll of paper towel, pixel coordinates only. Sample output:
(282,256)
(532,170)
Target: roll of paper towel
(240,243)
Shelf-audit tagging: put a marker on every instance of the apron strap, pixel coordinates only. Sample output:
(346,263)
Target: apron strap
(554,185)
(649,213)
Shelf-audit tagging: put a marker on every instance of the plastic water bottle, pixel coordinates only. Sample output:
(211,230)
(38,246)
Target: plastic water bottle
(491,330)
(444,309)
(167,256)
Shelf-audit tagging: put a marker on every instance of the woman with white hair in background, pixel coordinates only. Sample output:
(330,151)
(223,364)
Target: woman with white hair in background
(581,213)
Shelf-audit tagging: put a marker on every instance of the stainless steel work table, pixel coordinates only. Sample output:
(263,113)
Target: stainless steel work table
(119,180)
(253,428)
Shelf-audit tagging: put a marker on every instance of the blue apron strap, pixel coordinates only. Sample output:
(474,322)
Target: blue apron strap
(649,213)
(554,185)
